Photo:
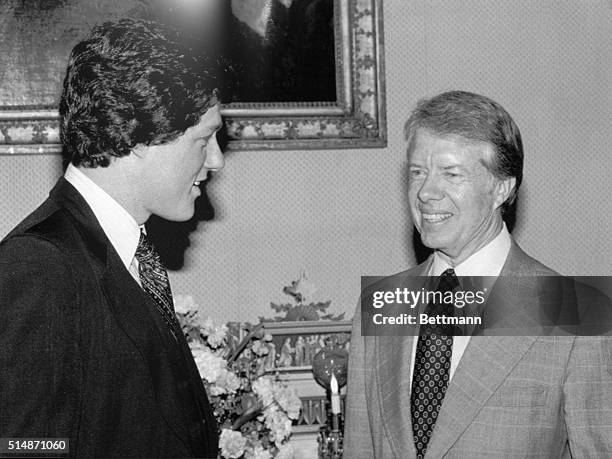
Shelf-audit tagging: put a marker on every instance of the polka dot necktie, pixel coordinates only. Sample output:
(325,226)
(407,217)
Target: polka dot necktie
(432,367)
(154,281)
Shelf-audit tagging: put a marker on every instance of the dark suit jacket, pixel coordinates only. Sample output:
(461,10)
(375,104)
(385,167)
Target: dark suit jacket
(84,353)
(511,396)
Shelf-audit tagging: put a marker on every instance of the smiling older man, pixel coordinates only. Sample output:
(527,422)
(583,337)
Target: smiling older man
(437,395)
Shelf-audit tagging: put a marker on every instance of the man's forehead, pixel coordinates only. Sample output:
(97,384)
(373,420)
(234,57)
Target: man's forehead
(426,142)
(209,122)
(425,134)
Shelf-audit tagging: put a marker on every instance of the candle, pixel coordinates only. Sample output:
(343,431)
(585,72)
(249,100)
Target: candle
(335,396)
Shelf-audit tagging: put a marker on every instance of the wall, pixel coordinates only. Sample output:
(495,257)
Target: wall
(342,214)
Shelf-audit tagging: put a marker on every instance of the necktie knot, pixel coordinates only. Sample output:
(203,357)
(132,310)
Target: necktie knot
(440,306)
(448,281)
(145,252)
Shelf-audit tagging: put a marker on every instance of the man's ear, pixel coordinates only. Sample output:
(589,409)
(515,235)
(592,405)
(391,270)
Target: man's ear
(503,190)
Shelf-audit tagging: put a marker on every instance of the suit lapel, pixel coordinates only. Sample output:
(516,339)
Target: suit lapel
(393,383)
(393,359)
(135,316)
(133,311)
(486,362)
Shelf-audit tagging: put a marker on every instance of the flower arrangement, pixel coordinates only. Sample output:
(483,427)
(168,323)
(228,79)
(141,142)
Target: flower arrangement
(254,411)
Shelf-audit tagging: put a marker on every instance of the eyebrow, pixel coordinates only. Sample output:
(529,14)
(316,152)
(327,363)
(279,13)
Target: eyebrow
(454,166)
(445,168)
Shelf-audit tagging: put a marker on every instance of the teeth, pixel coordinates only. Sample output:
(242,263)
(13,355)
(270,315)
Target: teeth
(196,183)
(433,218)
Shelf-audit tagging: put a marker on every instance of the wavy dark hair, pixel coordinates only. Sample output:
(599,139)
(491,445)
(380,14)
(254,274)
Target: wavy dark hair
(130,82)
(477,118)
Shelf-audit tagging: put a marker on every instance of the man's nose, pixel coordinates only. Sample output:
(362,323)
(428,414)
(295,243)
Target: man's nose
(214,156)
(430,189)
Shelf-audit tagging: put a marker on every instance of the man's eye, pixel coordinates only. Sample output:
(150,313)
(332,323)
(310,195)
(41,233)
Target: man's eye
(452,175)
(416,173)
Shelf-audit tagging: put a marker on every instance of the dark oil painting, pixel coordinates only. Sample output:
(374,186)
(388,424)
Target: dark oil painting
(271,50)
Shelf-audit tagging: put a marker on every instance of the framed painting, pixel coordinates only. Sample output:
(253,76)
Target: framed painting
(294,344)
(305,74)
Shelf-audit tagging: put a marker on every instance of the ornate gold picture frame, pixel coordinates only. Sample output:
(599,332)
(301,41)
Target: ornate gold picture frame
(355,119)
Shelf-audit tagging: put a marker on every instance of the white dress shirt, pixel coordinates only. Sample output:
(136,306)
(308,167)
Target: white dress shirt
(119,226)
(489,262)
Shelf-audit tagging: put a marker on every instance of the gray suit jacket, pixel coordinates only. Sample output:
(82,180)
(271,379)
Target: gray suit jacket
(510,396)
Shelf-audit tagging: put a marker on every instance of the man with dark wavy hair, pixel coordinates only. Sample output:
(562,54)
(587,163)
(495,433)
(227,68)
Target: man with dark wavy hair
(90,347)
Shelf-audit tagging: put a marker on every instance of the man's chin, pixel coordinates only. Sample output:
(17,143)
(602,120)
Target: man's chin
(178,215)
(184,217)
(432,242)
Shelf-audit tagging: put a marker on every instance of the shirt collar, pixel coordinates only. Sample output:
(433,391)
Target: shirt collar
(119,226)
(488,261)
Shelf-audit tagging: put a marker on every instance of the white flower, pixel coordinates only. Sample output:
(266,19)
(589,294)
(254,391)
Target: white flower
(216,390)
(285,451)
(278,423)
(184,304)
(231,443)
(288,400)
(209,365)
(207,325)
(260,348)
(226,383)
(217,338)
(258,453)
(270,391)
(263,388)
(232,382)
(215,334)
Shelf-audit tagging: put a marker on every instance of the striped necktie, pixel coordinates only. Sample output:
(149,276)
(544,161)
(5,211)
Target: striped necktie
(155,282)
(432,367)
